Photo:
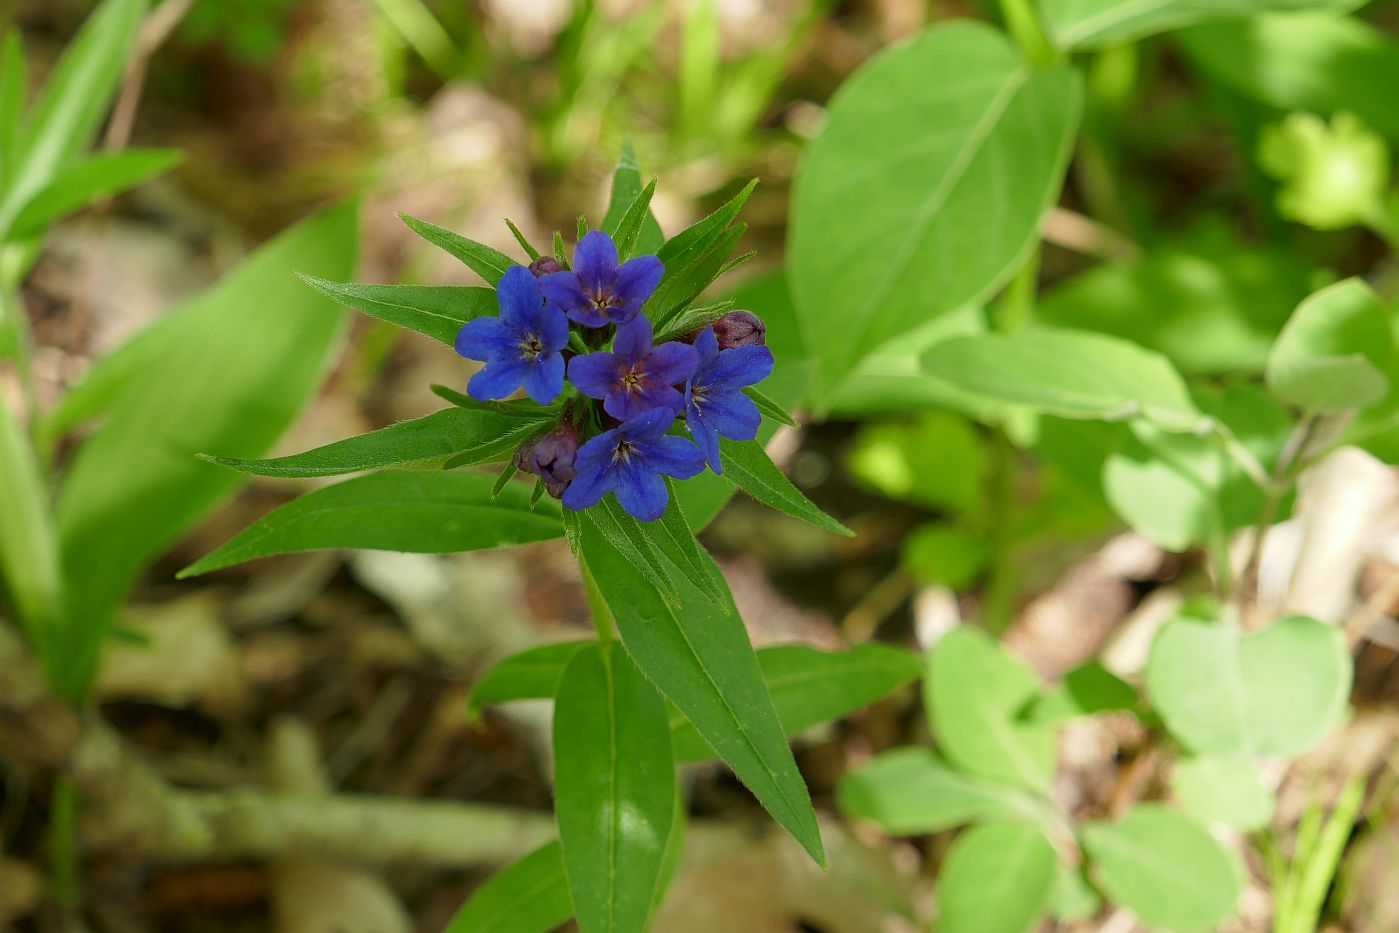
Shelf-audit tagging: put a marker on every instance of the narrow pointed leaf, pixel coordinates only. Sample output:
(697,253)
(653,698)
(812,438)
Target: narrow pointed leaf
(530,896)
(630,227)
(614,788)
(14,75)
(438,311)
(626,186)
(770,408)
(487,262)
(529,675)
(515,408)
(698,237)
(749,468)
(683,282)
(1079,24)
(525,244)
(94,178)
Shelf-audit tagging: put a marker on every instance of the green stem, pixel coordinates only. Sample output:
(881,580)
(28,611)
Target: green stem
(1024,26)
(998,604)
(63,850)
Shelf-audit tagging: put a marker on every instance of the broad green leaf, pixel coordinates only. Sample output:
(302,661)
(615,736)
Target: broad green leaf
(529,675)
(974,693)
(671,536)
(486,436)
(700,656)
(1333,353)
(1072,374)
(438,311)
(490,264)
(1223,789)
(1166,486)
(626,188)
(1272,693)
(911,791)
(96,177)
(1164,868)
(1096,23)
(749,468)
(228,370)
(1074,898)
(530,896)
(938,160)
(614,788)
(809,687)
(29,564)
(1086,690)
(996,879)
(1304,61)
(422,512)
(72,103)
(624,533)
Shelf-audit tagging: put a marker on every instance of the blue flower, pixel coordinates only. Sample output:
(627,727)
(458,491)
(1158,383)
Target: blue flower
(635,377)
(629,461)
(521,347)
(715,406)
(598,291)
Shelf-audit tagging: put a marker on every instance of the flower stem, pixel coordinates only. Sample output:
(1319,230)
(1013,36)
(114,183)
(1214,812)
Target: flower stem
(1024,25)
(602,616)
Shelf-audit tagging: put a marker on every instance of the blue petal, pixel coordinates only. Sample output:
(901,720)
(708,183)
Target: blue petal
(649,426)
(599,451)
(633,339)
(498,380)
(707,347)
(732,414)
(739,367)
(641,492)
(705,436)
(671,363)
(553,329)
(636,281)
(590,485)
(671,455)
(520,299)
(594,374)
(544,378)
(484,338)
(595,261)
(625,404)
(565,292)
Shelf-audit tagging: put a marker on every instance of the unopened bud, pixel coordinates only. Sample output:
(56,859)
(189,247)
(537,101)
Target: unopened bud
(740,329)
(552,456)
(522,457)
(545,265)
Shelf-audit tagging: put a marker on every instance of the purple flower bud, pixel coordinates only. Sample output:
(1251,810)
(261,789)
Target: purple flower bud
(552,456)
(545,265)
(522,457)
(740,329)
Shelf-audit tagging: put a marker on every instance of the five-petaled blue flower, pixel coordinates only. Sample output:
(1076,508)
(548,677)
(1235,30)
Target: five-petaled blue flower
(521,347)
(635,377)
(629,461)
(715,406)
(598,291)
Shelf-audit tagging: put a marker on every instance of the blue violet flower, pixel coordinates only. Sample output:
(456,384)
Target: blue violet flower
(629,461)
(598,291)
(521,347)
(715,405)
(635,377)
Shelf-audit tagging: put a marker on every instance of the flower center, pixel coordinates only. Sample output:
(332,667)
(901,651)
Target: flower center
(631,382)
(603,300)
(531,347)
(623,453)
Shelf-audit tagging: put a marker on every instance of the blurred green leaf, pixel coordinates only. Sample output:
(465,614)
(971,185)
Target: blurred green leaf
(633,220)
(229,369)
(14,80)
(1334,352)
(749,468)
(1332,176)
(614,788)
(1086,690)
(1275,692)
(1166,486)
(30,578)
(487,262)
(974,693)
(700,656)
(996,878)
(532,674)
(1096,23)
(808,687)
(438,311)
(84,182)
(422,512)
(530,896)
(1074,898)
(937,460)
(626,190)
(1164,868)
(944,555)
(911,791)
(925,189)
(1223,789)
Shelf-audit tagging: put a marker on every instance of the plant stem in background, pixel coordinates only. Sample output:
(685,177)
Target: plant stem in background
(1022,23)
(1274,489)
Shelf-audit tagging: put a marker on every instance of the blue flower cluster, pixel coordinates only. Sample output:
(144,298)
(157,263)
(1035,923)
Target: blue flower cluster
(642,386)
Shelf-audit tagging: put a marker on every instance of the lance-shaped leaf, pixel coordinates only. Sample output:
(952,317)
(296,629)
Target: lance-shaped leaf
(530,896)
(423,512)
(925,189)
(749,468)
(911,791)
(683,281)
(487,262)
(97,177)
(486,436)
(438,311)
(532,674)
(689,243)
(614,788)
(633,220)
(700,656)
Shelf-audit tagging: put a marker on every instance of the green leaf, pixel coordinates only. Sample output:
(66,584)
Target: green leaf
(1222,789)
(70,107)
(996,879)
(749,468)
(936,460)
(422,512)
(911,791)
(229,369)
(486,435)
(1164,868)
(700,656)
(633,220)
(1272,693)
(1071,374)
(529,675)
(770,408)
(525,244)
(1097,23)
(676,540)
(625,534)
(1086,690)
(974,693)
(681,249)
(809,687)
(926,188)
(515,408)
(490,264)
(29,566)
(614,788)
(14,77)
(530,896)
(1166,486)
(1074,898)
(1333,353)
(682,283)
(96,177)
(438,311)
(626,188)
(943,555)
